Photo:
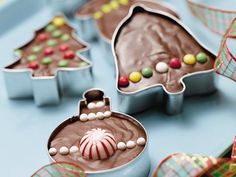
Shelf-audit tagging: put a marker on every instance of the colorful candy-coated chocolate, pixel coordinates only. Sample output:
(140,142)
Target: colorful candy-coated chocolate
(124,2)
(83,64)
(50,28)
(58,21)
(162,67)
(57,33)
(97,15)
(63,63)
(189,59)
(52,42)
(31,58)
(43,37)
(65,37)
(123,81)
(33,65)
(135,77)
(106,8)
(36,49)
(18,52)
(147,72)
(69,55)
(46,61)
(63,47)
(48,51)
(114,4)
(175,63)
(201,57)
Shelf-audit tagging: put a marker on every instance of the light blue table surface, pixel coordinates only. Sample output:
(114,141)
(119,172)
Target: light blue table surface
(206,126)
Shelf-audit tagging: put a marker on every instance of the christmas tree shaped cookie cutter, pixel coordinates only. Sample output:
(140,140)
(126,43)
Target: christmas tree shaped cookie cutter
(50,65)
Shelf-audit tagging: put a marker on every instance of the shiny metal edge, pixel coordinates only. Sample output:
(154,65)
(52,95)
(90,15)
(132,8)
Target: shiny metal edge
(170,98)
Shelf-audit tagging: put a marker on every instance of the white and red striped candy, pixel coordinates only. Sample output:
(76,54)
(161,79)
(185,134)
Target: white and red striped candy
(97,144)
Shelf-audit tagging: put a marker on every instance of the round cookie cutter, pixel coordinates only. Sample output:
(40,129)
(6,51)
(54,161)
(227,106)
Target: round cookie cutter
(198,83)
(138,167)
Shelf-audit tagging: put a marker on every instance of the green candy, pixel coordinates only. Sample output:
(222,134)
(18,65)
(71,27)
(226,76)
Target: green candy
(63,63)
(201,57)
(65,37)
(46,61)
(52,42)
(57,33)
(147,72)
(31,57)
(50,28)
(36,49)
(83,64)
(18,53)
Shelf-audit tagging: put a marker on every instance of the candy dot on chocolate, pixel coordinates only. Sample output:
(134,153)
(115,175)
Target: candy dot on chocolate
(57,33)
(58,21)
(69,55)
(65,37)
(52,42)
(50,28)
(74,149)
(63,47)
(189,59)
(31,58)
(42,37)
(130,144)
(46,61)
(48,51)
(97,15)
(114,4)
(121,146)
(141,141)
(52,151)
(83,117)
(175,63)
(64,150)
(107,114)
(63,63)
(201,57)
(36,49)
(124,2)
(100,115)
(91,116)
(33,65)
(162,67)
(123,81)
(135,77)
(147,72)
(106,8)
(83,64)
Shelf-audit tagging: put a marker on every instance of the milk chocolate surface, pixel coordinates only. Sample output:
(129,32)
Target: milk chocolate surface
(148,38)
(108,22)
(123,129)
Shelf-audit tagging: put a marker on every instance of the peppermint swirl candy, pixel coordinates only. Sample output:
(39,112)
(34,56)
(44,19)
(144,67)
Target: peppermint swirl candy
(97,144)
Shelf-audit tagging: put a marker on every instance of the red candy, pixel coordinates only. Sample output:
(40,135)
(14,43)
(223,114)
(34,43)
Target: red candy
(33,65)
(48,51)
(63,47)
(175,63)
(123,81)
(69,55)
(43,37)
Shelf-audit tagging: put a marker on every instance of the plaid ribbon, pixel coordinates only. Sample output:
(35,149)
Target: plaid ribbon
(60,169)
(217,20)
(226,62)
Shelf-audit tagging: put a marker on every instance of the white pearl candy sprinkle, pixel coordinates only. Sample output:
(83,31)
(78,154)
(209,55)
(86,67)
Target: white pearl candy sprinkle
(91,105)
(121,146)
(107,114)
(130,144)
(100,104)
(64,150)
(83,117)
(74,149)
(91,116)
(141,141)
(162,67)
(52,151)
(100,115)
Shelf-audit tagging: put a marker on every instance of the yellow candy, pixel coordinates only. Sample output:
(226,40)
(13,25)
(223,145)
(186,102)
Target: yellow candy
(135,77)
(106,8)
(97,15)
(58,21)
(114,4)
(189,59)
(124,2)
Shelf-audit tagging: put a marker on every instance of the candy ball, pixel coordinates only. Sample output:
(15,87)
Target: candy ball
(63,63)
(36,49)
(91,105)
(52,151)
(107,114)
(31,57)
(100,104)
(74,149)
(91,116)
(130,144)
(147,72)
(46,61)
(33,65)
(201,57)
(121,146)
(124,2)
(83,64)
(114,4)
(141,141)
(50,28)
(99,115)
(57,33)
(65,37)
(175,63)
(83,117)
(123,81)
(52,42)
(63,47)
(106,8)
(189,59)
(97,15)
(135,77)
(48,51)
(42,37)
(162,67)
(64,150)
(69,55)
(58,21)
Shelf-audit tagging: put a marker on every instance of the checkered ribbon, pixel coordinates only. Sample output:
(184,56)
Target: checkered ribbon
(60,169)
(217,20)
(226,61)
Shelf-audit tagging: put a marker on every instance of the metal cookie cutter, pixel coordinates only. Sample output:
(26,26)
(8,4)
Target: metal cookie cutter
(139,166)
(196,83)
(47,90)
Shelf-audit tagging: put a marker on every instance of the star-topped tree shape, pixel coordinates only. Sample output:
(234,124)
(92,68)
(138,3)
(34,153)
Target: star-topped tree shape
(53,46)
